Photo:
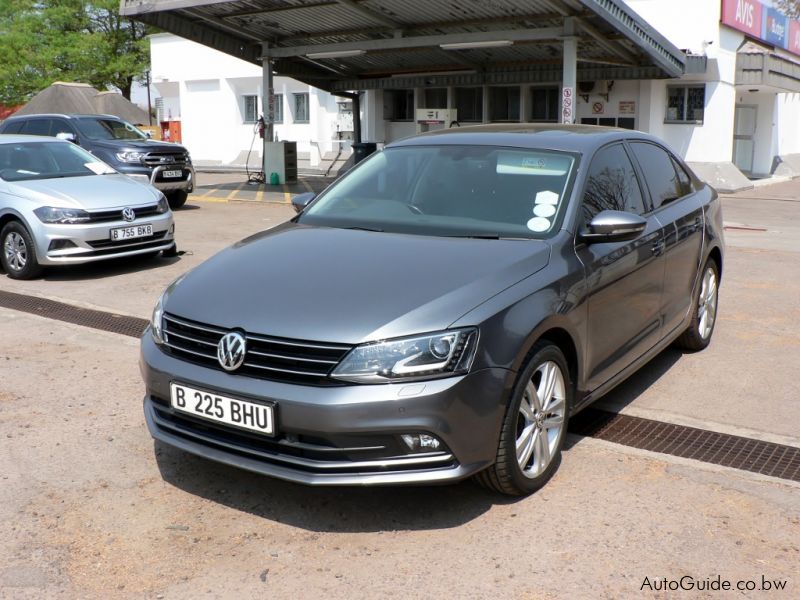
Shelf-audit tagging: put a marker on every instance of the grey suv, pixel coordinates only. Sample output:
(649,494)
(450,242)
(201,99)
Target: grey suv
(440,311)
(168,167)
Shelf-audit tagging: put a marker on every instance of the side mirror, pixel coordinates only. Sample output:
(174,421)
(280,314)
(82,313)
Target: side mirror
(64,135)
(613,226)
(300,201)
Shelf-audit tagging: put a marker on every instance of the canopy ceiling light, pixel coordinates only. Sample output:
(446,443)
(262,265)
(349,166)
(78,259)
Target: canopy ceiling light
(472,45)
(336,54)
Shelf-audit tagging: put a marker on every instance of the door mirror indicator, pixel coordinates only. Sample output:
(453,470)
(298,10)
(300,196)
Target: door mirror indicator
(300,201)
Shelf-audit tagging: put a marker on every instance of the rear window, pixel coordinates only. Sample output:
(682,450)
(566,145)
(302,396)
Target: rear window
(12,127)
(108,129)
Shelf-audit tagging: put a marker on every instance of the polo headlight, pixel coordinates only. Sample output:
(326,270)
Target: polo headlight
(131,157)
(51,214)
(163,204)
(429,356)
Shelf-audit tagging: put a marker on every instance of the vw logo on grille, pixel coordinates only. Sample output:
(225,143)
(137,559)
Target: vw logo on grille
(128,214)
(231,350)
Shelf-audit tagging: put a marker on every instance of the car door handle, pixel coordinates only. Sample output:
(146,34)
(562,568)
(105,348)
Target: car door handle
(658,247)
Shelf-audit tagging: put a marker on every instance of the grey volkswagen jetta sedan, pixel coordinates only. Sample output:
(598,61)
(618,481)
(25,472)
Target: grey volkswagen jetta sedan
(439,312)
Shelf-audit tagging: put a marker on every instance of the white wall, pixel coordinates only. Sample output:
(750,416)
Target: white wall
(204,89)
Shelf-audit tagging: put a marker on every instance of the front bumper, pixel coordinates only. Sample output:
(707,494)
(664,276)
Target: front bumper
(336,435)
(155,177)
(90,242)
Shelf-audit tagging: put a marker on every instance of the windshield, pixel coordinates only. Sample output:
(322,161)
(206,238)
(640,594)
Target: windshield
(109,129)
(47,160)
(460,191)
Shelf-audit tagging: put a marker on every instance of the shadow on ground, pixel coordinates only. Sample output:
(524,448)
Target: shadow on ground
(358,509)
(326,509)
(107,268)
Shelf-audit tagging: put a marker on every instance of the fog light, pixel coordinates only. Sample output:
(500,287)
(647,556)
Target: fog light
(61,245)
(421,441)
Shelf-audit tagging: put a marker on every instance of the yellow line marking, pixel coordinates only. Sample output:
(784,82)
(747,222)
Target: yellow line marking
(212,199)
(206,191)
(236,191)
(307,186)
(260,195)
(287,197)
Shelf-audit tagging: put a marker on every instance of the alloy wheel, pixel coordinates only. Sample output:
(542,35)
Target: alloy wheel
(16,251)
(707,304)
(540,422)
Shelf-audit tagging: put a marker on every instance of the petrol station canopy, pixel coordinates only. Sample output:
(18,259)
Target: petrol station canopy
(341,45)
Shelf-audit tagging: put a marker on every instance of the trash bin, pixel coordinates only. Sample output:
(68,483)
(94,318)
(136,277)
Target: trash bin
(362,150)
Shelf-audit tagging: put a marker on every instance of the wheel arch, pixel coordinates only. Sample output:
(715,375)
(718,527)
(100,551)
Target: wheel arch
(716,255)
(559,335)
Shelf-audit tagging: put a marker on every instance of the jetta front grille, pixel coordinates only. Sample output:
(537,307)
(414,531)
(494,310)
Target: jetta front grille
(267,357)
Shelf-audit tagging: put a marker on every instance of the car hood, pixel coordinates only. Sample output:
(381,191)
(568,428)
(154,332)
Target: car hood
(139,146)
(349,286)
(91,192)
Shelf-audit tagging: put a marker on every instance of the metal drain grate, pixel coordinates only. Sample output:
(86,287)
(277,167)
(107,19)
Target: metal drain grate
(746,454)
(742,453)
(105,321)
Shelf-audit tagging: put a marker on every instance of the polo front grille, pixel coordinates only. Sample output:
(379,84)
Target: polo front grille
(267,357)
(100,216)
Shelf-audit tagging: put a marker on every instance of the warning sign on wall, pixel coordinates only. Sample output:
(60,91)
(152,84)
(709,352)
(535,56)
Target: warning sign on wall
(598,108)
(567,105)
(627,107)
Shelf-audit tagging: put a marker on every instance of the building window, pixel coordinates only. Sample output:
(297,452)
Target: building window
(504,103)
(300,108)
(685,104)
(277,109)
(250,109)
(469,104)
(436,98)
(544,104)
(398,105)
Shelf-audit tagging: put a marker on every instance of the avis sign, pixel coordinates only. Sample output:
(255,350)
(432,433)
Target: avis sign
(568,105)
(761,20)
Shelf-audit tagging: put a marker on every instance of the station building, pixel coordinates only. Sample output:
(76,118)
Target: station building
(719,80)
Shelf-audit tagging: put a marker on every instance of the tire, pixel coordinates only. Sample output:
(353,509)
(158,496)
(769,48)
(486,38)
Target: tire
(18,252)
(704,311)
(524,474)
(176,198)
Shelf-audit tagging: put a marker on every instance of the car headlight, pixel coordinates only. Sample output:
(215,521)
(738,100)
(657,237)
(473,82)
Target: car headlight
(51,214)
(156,321)
(163,204)
(130,157)
(430,356)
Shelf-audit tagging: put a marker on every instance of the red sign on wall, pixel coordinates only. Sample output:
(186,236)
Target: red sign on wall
(744,15)
(794,37)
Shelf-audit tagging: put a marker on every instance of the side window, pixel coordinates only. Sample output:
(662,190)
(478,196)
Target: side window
(14,127)
(683,177)
(612,184)
(37,127)
(60,126)
(659,173)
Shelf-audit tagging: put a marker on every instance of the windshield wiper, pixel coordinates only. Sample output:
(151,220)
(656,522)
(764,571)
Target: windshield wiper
(487,236)
(364,229)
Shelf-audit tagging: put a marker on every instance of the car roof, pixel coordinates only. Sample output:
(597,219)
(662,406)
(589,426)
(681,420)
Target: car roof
(62,115)
(567,138)
(16,138)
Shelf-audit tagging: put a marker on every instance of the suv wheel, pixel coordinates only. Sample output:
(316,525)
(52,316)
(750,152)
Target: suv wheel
(534,427)
(18,255)
(176,198)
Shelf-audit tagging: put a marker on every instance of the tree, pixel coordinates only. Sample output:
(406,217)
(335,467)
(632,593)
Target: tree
(68,40)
